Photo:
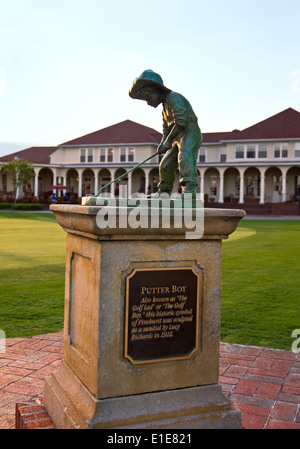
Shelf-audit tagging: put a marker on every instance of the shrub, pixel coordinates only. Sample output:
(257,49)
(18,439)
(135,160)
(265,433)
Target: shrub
(5,205)
(27,206)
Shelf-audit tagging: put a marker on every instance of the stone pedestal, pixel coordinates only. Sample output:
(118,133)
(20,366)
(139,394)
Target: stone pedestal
(132,296)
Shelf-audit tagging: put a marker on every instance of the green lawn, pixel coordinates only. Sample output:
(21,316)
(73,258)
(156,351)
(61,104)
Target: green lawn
(32,257)
(260,284)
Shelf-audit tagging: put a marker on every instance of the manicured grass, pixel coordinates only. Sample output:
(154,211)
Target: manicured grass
(32,269)
(260,283)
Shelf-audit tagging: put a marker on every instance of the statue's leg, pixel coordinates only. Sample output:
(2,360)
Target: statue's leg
(167,170)
(187,160)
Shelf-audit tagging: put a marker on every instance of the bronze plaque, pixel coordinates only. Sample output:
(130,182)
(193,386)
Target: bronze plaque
(161,316)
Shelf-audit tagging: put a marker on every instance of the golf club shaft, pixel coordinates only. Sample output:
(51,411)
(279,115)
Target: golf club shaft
(124,174)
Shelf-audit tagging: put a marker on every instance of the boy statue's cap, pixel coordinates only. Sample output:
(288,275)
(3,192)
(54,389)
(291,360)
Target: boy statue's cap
(147,78)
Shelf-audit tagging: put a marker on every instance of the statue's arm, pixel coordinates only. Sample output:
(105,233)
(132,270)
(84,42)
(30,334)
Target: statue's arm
(167,140)
(176,104)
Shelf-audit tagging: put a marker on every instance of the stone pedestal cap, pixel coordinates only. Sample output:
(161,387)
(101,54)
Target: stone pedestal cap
(217,223)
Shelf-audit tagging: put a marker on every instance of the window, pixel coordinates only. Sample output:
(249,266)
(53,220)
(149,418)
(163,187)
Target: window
(297,149)
(90,155)
(82,155)
(276,152)
(130,154)
(110,155)
(250,151)
(280,150)
(202,154)
(106,154)
(262,150)
(126,154)
(123,154)
(239,152)
(86,155)
(102,155)
(222,154)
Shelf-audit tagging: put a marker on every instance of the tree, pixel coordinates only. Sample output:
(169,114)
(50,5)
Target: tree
(20,172)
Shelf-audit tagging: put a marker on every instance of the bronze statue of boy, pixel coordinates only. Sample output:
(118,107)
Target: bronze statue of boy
(181,134)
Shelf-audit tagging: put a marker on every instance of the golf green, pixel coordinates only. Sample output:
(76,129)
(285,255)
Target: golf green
(260,281)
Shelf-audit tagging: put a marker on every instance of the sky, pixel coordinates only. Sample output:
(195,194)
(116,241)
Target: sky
(66,66)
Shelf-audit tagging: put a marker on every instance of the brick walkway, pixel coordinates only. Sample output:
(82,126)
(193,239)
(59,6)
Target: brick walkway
(263,383)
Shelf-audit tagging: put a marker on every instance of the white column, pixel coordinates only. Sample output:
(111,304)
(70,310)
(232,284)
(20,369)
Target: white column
(79,183)
(113,172)
(202,182)
(262,186)
(54,180)
(36,182)
(283,191)
(221,192)
(241,200)
(129,184)
(262,189)
(63,181)
(146,180)
(96,186)
(112,187)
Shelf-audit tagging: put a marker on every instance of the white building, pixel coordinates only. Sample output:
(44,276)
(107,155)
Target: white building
(260,164)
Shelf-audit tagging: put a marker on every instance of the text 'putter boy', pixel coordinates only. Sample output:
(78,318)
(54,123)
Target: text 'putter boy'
(181,134)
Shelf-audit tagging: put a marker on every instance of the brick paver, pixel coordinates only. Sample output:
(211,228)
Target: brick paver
(268,389)
(23,366)
(263,383)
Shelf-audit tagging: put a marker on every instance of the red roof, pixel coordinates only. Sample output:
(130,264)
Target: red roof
(37,155)
(284,125)
(216,137)
(126,132)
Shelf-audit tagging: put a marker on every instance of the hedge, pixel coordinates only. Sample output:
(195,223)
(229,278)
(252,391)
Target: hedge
(27,206)
(22,206)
